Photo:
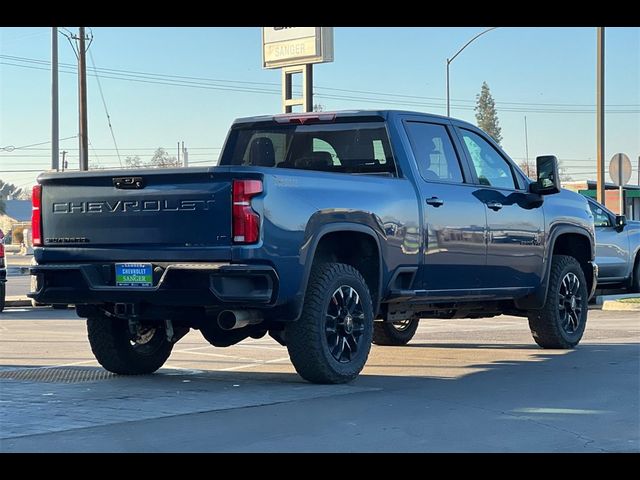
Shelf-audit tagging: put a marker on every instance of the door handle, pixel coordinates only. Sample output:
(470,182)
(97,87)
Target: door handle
(435,201)
(494,206)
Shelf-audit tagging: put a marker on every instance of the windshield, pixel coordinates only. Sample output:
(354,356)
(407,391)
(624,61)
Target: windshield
(337,147)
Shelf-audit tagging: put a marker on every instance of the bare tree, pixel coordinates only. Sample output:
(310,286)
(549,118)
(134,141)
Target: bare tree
(161,159)
(564,175)
(133,162)
(528,168)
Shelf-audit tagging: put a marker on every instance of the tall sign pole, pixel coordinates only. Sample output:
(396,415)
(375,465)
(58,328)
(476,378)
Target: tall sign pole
(55,132)
(600,117)
(82,100)
(620,172)
(295,50)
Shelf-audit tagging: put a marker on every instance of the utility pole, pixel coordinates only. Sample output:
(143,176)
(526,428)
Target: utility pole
(178,153)
(64,162)
(526,147)
(55,146)
(82,100)
(600,117)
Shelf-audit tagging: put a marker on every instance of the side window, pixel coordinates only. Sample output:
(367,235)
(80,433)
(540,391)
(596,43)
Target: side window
(600,217)
(491,168)
(434,152)
(378,152)
(320,145)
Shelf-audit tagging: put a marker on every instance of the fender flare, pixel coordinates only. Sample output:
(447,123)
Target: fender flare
(311,246)
(537,299)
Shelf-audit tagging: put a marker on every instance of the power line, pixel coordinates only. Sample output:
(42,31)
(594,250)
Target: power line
(205,79)
(177,80)
(96,155)
(334,97)
(22,171)
(142,79)
(106,111)
(131,149)
(150,151)
(11,148)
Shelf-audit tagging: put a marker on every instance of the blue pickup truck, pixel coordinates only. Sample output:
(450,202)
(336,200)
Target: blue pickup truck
(328,231)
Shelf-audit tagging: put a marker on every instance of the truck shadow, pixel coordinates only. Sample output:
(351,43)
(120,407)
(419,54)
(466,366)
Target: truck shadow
(526,362)
(436,396)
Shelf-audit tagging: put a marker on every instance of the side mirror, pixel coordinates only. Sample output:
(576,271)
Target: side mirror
(621,221)
(548,179)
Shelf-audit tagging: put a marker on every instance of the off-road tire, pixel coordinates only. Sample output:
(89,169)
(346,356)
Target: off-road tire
(308,338)
(111,344)
(547,324)
(396,333)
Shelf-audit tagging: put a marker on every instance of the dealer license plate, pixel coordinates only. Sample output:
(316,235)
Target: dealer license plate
(134,275)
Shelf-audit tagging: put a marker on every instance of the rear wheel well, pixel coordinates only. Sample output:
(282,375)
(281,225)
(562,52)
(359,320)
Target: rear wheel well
(578,247)
(356,249)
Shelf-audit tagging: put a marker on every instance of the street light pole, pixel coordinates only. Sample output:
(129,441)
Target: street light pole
(449,60)
(448,109)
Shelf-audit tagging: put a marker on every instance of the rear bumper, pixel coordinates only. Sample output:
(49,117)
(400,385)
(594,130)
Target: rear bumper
(175,284)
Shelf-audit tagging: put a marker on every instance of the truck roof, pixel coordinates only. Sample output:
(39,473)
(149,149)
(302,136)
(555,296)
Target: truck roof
(384,114)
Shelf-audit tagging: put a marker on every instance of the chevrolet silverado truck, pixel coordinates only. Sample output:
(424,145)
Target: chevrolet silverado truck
(328,231)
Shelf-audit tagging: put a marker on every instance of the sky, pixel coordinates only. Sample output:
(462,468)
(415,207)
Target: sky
(545,74)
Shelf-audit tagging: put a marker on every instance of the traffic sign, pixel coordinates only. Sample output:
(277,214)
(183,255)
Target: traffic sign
(620,169)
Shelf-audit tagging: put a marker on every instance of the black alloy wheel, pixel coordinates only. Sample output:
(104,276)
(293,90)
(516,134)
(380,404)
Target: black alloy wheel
(344,324)
(570,303)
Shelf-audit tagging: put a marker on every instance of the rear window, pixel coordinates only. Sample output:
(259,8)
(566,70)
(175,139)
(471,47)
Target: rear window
(342,147)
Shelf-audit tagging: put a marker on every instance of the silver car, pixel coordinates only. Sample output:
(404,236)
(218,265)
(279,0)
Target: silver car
(617,249)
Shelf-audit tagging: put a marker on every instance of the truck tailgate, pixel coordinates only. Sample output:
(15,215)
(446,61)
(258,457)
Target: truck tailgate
(169,208)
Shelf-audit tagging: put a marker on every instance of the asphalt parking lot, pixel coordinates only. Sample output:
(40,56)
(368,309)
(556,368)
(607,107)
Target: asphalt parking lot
(460,385)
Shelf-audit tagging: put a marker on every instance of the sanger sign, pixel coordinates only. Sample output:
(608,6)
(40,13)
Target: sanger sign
(283,46)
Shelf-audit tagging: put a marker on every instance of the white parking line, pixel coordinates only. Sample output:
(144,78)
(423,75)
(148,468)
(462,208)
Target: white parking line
(221,355)
(257,364)
(265,347)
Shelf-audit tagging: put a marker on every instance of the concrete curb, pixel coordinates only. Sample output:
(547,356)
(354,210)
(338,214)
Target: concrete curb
(615,305)
(18,301)
(600,299)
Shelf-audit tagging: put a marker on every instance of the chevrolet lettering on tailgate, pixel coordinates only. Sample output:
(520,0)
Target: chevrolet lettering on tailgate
(133,206)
